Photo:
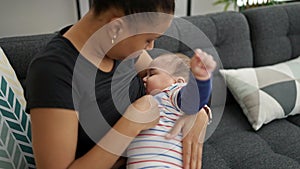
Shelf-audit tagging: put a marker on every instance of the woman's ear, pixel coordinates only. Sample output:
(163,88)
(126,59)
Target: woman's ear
(115,28)
(180,80)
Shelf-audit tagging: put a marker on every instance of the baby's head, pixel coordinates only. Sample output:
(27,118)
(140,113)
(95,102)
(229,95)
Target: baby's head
(166,70)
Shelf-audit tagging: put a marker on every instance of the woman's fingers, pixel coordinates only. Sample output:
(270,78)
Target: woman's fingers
(199,161)
(194,155)
(143,111)
(193,141)
(186,152)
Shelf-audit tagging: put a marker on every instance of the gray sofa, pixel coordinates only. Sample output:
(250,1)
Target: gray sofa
(256,37)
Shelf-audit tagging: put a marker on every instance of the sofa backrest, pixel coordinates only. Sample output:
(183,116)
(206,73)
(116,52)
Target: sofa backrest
(275,33)
(256,37)
(227,32)
(224,35)
(20,51)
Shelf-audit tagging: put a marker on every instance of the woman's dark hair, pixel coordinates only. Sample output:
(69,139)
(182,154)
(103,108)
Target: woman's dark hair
(135,6)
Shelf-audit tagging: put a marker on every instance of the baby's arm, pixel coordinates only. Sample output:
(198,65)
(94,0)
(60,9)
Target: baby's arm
(202,65)
(188,100)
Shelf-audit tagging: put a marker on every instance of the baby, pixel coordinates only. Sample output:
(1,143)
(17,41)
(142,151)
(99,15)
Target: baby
(178,92)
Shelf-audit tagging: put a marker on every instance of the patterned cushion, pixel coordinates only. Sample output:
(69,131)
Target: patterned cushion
(15,137)
(266,93)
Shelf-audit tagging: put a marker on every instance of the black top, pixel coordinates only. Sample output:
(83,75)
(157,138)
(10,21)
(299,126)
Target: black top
(60,77)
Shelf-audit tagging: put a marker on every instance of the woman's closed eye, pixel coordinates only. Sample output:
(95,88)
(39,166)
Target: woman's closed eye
(149,41)
(151,72)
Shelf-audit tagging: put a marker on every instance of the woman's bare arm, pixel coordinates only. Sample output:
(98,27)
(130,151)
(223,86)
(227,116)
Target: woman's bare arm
(54,137)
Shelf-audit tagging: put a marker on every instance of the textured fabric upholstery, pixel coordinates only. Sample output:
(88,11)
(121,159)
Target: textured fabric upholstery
(257,37)
(253,38)
(275,33)
(225,35)
(20,51)
(229,34)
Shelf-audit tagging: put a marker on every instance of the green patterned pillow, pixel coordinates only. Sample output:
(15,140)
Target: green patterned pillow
(15,137)
(266,93)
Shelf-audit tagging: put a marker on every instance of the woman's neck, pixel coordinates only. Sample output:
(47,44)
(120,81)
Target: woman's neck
(81,32)
(106,64)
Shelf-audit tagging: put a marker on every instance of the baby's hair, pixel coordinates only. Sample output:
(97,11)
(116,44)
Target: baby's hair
(176,64)
(187,62)
(185,59)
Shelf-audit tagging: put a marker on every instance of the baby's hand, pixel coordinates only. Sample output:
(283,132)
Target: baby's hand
(202,65)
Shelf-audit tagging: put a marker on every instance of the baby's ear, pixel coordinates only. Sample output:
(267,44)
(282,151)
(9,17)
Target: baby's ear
(180,79)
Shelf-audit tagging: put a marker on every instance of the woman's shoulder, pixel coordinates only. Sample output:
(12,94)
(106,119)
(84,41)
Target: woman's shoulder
(58,54)
(58,48)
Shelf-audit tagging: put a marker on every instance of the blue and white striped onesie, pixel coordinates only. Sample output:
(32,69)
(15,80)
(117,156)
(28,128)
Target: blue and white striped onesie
(150,149)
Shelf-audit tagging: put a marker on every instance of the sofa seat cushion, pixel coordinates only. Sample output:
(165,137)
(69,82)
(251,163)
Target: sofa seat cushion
(294,119)
(236,145)
(212,159)
(249,150)
(283,137)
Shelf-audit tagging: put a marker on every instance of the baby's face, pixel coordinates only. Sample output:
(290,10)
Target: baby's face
(157,80)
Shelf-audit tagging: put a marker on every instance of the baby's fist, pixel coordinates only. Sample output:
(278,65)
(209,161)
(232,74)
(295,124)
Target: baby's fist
(202,65)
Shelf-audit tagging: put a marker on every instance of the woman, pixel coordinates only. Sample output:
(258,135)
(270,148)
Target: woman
(59,140)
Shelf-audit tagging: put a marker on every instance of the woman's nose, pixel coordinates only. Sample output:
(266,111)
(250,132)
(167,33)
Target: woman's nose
(150,46)
(145,79)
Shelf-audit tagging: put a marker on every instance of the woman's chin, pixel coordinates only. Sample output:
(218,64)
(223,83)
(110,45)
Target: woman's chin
(154,92)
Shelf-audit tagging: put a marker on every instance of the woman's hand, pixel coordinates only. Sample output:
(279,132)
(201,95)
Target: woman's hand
(143,112)
(140,115)
(193,128)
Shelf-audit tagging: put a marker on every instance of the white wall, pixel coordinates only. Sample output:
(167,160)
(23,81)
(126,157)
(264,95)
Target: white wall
(199,7)
(180,7)
(25,17)
(84,6)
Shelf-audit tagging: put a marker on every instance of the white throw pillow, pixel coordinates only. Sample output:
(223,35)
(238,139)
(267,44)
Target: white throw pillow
(266,93)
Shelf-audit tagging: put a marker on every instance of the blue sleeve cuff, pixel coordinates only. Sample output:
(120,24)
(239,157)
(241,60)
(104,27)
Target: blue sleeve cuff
(190,101)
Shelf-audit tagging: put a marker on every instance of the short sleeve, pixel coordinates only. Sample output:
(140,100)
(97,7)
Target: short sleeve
(49,85)
(174,93)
